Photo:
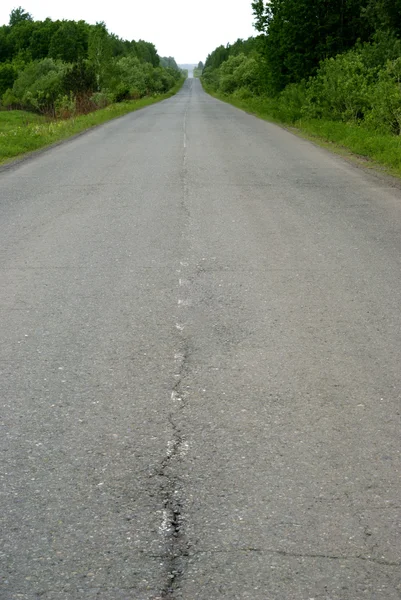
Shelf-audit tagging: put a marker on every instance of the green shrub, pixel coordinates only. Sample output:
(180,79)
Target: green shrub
(211,77)
(8,75)
(340,90)
(130,72)
(39,85)
(291,102)
(121,93)
(66,106)
(79,79)
(9,100)
(230,74)
(242,93)
(385,95)
(100,99)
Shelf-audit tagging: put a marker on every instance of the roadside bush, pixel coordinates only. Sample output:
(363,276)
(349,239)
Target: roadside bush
(238,72)
(230,74)
(100,100)
(8,75)
(130,72)
(291,102)
(161,81)
(66,106)
(247,73)
(385,96)
(79,79)
(242,93)
(39,86)
(9,100)
(211,77)
(340,90)
(361,86)
(385,47)
(121,93)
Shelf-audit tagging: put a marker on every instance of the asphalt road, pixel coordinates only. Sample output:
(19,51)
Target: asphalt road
(201,365)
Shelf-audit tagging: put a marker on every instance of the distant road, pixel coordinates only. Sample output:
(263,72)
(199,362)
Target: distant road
(200,364)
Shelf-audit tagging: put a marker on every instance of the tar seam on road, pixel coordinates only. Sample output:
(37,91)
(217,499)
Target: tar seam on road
(172,527)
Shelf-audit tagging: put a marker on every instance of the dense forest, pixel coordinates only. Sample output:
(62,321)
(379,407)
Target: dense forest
(61,68)
(338,60)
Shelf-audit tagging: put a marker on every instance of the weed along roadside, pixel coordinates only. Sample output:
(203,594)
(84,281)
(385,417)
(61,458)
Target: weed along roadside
(22,132)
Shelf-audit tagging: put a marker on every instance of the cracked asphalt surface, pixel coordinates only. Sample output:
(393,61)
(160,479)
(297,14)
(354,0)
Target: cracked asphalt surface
(200,365)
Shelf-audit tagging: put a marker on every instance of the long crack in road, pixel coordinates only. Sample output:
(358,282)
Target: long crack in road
(200,365)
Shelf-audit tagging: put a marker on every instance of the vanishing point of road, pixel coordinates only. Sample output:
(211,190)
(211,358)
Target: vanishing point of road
(200,365)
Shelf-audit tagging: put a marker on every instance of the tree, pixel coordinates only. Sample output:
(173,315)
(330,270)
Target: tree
(200,65)
(20,36)
(168,62)
(217,57)
(39,85)
(6,49)
(147,53)
(41,37)
(118,47)
(99,51)
(80,79)
(18,15)
(7,77)
(298,34)
(48,64)
(384,15)
(70,41)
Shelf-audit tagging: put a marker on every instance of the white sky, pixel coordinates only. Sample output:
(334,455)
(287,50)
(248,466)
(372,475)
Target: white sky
(181,28)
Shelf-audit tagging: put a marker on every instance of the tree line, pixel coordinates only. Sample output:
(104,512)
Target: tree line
(333,59)
(66,66)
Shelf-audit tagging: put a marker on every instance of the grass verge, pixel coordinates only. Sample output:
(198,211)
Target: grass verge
(22,132)
(365,146)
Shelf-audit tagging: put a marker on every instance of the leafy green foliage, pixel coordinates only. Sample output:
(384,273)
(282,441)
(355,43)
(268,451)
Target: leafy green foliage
(19,15)
(383,15)
(330,67)
(237,72)
(69,42)
(39,85)
(147,52)
(234,66)
(79,79)
(385,100)
(340,89)
(41,40)
(56,67)
(99,53)
(317,59)
(8,75)
(141,79)
(298,34)
(168,62)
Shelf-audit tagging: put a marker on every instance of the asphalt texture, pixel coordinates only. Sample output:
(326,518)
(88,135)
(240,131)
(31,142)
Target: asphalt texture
(201,365)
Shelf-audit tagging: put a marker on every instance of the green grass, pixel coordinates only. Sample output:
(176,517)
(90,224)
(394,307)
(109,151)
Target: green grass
(11,119)
(197,73)
(363,145)
(22,132)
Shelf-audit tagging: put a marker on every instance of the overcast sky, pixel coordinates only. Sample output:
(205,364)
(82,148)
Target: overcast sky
(180,28)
